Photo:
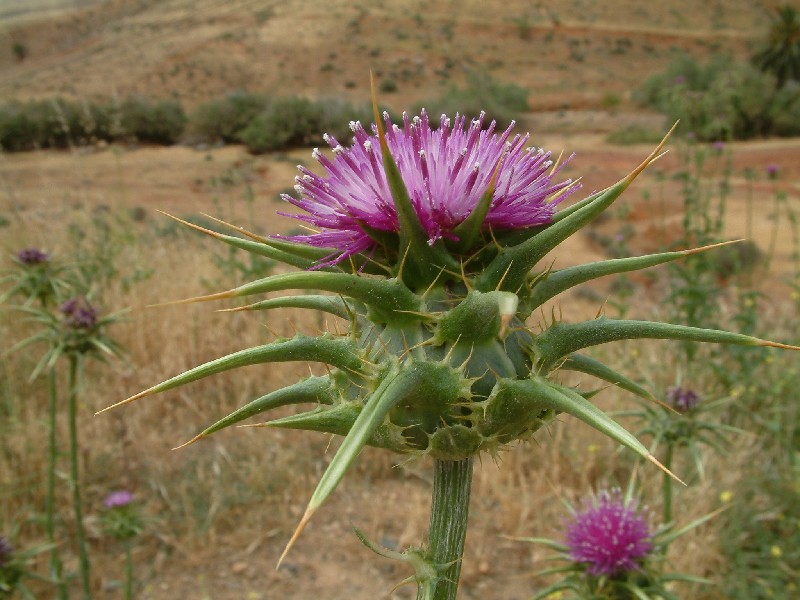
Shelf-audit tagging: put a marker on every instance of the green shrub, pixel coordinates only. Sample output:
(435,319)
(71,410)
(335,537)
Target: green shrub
(780,52)
(784,113)
(502,102)
(635,134)
(161,122)
(718,100)
(18,129)
(335,118)
(225,118)
(20,51)
(295,121)
(285,122)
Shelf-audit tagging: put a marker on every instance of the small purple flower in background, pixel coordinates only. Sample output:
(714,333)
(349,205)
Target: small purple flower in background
(79,314)
(680,79)
(32,256)
(6,551)
(446,172)
(118,499)
(609,535)
(772,170)
(682,399)
(719,145)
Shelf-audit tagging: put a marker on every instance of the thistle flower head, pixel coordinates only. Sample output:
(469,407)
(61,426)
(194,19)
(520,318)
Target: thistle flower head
(682,399)
(32,256)
(79,314)
(610,535)
(118,499)
(446,171)
(6,551)
(122,519)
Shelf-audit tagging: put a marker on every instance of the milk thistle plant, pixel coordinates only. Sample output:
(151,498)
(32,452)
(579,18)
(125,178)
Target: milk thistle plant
(123,521)
(74,329)
(612,551)
(426,243)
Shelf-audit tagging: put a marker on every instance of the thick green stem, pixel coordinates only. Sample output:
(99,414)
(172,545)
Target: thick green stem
(452,482)
(49,502)
(74,366)
(666,487)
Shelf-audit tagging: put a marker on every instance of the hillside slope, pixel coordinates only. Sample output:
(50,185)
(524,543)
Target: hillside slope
(573,55)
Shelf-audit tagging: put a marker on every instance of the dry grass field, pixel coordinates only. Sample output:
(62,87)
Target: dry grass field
(220,511)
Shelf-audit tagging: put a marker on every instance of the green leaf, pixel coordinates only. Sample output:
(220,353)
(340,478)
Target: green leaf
(300,256)
(388,299)
(312,389)
(338,419)
(566,400)
(329,304)
(555,588)
(561,339)
(469,229)
(556,282)
(552,544)
(423,260)
(590,366)
(400,384)
(666,539)
(336,352)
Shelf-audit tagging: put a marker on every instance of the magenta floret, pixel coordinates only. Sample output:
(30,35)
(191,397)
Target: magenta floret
(118,499)
(609,535)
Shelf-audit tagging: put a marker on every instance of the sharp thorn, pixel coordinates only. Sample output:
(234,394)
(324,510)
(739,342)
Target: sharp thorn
(209,298)
(302,525)
(191,441)
(654,460)
(126,401)
(192,225)
(777,345)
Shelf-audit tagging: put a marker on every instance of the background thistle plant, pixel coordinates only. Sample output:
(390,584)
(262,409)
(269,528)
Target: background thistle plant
(434,285)
(612,551)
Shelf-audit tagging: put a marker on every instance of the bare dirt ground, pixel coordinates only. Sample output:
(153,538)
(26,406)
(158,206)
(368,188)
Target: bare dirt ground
(577,58)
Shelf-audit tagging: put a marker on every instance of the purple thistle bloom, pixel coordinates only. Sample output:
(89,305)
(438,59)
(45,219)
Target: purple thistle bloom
(118,499)
(445,170)
(32,256)
(719,145)
(682,400)
(79,314)
(6,551)
(772,170)
(609,535)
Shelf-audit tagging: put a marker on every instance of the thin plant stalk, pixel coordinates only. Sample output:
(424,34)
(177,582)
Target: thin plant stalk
(74,376)
(666,488)
(49,504)
(452,483)
(128,571)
